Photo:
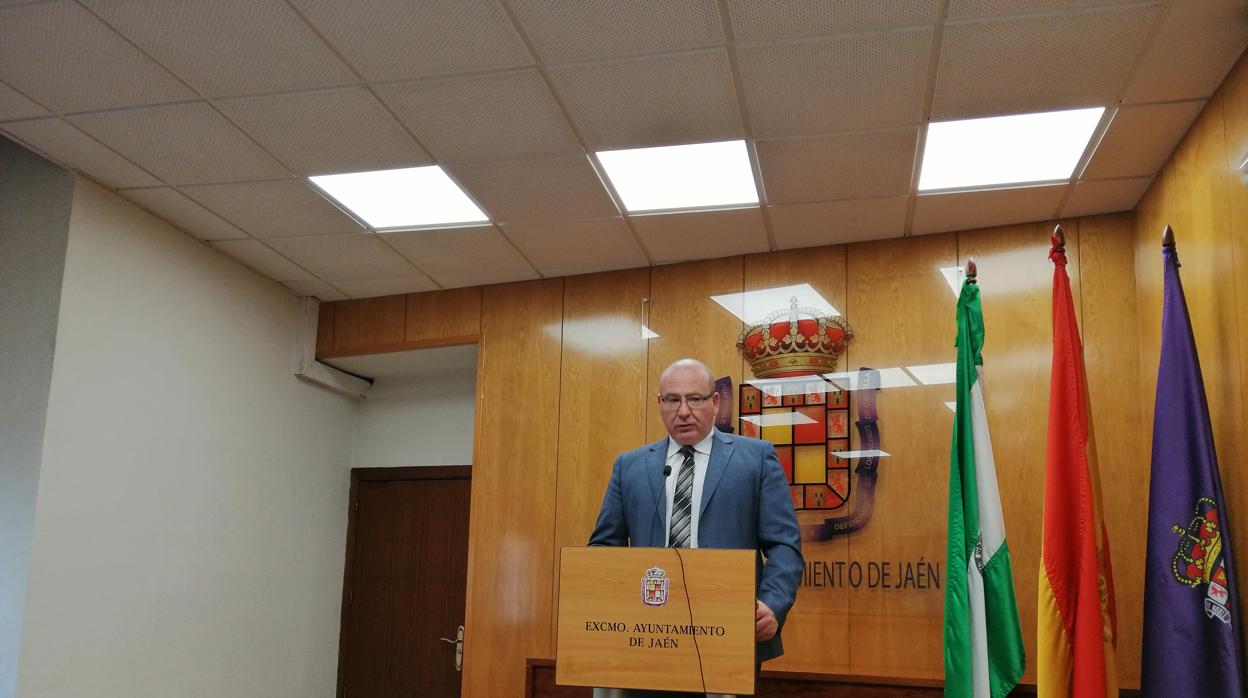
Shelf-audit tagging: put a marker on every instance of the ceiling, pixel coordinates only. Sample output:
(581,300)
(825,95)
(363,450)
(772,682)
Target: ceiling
(211,114)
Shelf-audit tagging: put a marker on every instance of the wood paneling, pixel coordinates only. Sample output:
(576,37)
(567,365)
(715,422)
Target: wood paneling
(370,324)
(603,393)
(690,324)
(902,312)
(511,563)
(445,317)
(1110,338)
(816,635)
(399,323)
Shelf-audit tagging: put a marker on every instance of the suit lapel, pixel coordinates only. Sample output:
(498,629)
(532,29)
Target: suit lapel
(721,452)
(654,473)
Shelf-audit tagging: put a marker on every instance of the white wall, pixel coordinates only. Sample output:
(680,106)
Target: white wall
(192,502)
(424,420)
(35,198)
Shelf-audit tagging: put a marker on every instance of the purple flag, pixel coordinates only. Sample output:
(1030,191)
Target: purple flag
(1191,617)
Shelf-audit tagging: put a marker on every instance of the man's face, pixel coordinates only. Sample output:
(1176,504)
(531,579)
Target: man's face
(685,423)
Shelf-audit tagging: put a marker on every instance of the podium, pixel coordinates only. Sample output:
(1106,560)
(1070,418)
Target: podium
(656,618)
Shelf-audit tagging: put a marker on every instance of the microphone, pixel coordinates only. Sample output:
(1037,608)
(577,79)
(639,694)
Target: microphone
(667,471)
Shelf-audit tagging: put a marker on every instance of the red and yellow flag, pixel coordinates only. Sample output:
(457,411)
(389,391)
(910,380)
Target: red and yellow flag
(1076,626)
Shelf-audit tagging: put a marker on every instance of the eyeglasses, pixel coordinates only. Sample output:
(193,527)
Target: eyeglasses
(673,402)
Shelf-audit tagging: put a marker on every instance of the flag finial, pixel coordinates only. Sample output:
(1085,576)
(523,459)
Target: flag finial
(1059,239)
(1167,237)
(970,270)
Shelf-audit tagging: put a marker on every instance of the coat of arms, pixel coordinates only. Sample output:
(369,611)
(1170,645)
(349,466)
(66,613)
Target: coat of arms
(654,587)
(1199,559)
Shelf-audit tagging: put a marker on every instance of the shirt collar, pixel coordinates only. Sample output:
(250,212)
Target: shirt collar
(703,446)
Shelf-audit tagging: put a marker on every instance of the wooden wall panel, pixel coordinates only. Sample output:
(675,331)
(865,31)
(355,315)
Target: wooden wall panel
(603,394)
(902,312)
(1110,336)
(441,318)
(399,323)
(368,325)
(816,636)
(690,324)
(1016,289)
(515,448)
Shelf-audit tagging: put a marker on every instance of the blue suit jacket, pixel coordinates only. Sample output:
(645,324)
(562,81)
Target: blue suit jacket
(746,504)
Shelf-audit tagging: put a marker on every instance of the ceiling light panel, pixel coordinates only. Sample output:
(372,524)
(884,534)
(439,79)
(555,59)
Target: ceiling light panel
(1019,149)
(412,197)
(682,177)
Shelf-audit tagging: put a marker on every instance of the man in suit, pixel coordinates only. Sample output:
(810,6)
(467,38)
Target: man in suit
(723,491)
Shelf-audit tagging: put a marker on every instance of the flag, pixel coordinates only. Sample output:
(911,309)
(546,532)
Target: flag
(983,642)
(1192,643)
(1076,625)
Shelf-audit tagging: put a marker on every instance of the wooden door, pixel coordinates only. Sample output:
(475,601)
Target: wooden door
(407,561)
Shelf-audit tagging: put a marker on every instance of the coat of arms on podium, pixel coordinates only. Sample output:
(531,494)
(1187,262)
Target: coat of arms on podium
(654,586)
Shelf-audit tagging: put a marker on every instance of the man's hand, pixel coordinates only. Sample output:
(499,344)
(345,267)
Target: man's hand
(765,625)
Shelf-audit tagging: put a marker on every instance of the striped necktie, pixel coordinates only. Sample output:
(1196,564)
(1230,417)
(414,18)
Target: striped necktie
(682,503)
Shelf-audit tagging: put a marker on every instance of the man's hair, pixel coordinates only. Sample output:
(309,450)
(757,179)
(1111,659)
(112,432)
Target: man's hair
(689,363)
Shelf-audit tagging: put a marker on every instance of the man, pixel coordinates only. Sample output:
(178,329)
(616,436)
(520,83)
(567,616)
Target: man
(724,491)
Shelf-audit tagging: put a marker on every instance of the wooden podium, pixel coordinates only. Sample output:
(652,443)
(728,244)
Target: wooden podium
(627,621)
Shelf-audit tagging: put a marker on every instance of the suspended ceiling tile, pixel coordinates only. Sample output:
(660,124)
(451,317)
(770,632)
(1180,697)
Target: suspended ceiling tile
(1093,197)
(396,39)
(73,148)
(173,206)
(563,248)
(14,105)
(865,81)
(1043,63)
(361,256)
(326,132)
(834,222)
(483,117)
(938,213)
(1141,138)
(456,257)
(62,56)
(228,46)
(317,289)
(274,209)
(562,30)
(754,21)
(679,237)
(370,288)
(182,143)
(838,167)
(1195,45)
(537,189)
(662,100)
(263,259)
(962,9)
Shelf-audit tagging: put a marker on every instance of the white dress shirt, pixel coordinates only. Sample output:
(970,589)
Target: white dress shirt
(701,458)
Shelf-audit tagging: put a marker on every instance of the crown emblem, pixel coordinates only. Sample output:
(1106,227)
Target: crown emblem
(793,342)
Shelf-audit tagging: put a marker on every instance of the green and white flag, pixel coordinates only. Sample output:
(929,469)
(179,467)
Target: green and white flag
(983,643)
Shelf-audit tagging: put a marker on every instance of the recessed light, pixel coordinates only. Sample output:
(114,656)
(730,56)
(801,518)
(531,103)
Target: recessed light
(412,197)
(681,177)
(1020,149)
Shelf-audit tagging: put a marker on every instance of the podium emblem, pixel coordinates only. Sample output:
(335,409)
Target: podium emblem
(654,587)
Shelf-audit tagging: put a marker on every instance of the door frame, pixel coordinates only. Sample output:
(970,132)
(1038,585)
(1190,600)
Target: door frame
(358,475)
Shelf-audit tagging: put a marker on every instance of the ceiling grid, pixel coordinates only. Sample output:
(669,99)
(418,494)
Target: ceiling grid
(212,115)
